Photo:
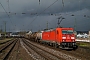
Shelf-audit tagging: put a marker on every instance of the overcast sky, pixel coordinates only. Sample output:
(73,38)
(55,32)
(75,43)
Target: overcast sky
(24,15)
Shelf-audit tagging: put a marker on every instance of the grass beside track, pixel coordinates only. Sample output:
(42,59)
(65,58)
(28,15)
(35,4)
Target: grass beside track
(83,44)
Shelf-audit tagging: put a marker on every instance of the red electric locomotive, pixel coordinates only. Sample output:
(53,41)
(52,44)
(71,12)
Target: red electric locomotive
(62,37)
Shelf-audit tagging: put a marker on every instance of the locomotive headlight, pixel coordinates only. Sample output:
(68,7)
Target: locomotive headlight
(72,38)
(63,40)
(63,37)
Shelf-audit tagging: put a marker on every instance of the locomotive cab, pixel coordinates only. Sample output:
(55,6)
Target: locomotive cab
(66,38)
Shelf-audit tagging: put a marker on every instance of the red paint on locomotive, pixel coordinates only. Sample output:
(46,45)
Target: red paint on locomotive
(60,36)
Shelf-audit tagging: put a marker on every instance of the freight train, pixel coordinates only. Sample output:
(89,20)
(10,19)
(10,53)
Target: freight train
(59,37)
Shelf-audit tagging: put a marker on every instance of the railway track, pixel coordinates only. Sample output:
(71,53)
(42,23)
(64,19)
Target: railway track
(31,52)
(18,53)
(81,53)
(15,51)
(4,44)
(12,50)
(55,55)
(46,55)
(6,50)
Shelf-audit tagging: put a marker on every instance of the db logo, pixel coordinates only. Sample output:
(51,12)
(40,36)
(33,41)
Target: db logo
(68,37)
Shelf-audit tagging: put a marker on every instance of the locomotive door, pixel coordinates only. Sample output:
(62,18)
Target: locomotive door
(57,36)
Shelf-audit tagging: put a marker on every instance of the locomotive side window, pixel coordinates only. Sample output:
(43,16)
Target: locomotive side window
(67,31)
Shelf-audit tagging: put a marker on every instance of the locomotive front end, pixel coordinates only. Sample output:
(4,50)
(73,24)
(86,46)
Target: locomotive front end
(68,39)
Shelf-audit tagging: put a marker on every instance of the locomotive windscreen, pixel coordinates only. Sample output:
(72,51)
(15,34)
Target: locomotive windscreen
(67,31)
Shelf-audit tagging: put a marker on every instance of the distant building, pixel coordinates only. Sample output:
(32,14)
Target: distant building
(83,34)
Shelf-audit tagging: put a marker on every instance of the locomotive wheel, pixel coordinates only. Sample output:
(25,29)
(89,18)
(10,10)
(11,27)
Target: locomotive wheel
(52,44)
(55,45)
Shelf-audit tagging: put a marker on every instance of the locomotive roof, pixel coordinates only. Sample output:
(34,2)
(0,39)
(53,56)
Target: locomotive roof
(50,29)
(57,28)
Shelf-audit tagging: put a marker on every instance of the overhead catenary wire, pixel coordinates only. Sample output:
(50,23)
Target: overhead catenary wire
(36,13)
(37,10)
(43,11)
(4,9)
(6,12)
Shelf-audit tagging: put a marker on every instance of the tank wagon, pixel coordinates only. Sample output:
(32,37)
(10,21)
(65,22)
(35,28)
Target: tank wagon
(59,37)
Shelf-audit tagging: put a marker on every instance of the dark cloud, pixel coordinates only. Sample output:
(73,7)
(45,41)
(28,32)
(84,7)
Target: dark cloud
(30,15)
